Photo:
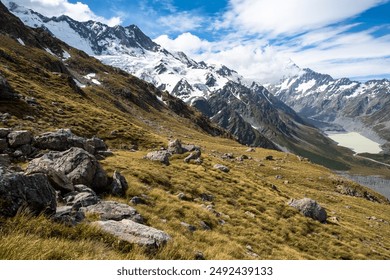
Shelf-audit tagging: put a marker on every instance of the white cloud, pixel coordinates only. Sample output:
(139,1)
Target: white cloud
(309,32)
(186,42)
(77,11)
(291,17)
(181,22)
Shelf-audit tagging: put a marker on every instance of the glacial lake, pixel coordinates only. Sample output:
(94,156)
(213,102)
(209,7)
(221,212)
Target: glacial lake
(356,142)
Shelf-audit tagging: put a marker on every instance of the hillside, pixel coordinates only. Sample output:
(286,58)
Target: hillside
(240,214)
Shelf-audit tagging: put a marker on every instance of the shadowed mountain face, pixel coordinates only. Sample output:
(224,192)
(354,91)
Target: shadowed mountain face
(247,110)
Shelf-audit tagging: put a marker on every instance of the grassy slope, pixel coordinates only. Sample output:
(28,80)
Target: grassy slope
(254,213)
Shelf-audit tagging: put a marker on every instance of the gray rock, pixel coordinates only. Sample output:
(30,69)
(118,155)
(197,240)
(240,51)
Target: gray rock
(4,132)
(97,143)
(190,228)
(160,156)
(269,158)
(64,139)
(174,147)
(221,167)
(112,210)
(227,156)
(135,233)
(60,140)
(207,197)
(137,200)
(119,184)
(309,208)
(83,197)
(189,148)
(251,150)
(32,193)
(19,138)
(67,215)
(25,149)
(204,225)
(57,178)
(193,156)
(78,165)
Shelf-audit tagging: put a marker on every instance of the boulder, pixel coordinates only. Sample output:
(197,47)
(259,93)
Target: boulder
(4,132)
(251,150)
(137,200)
(134,233)
(189,148)
(160,156)
(174,147)
(81,197)
(4,164)
(193,156)
(19,138)
(221,167)
(79,166)
(309,208)
(112,210)
(60,140)
(64,139)
(57,178)
(119,184)
(67,215)
(26,192)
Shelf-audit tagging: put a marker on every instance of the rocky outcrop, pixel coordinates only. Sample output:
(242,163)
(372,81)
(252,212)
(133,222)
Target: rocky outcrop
(32,193)
(79,166)
(64,139)
(309,208)
(133,232)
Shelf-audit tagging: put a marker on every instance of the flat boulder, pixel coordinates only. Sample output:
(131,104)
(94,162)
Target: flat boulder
(112,210)
(222,168)
(309,208)
(32,193)
(160,156)
(134,233)
(193,156)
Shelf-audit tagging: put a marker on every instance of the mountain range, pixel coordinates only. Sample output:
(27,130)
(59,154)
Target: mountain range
(244,108)
(339,104)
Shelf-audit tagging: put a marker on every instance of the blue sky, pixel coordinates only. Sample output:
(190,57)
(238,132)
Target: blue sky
(259,38)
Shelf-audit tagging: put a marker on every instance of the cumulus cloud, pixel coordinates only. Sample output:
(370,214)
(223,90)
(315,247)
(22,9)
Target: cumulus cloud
(77,11)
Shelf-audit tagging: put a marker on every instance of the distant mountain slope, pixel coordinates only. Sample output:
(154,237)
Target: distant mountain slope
(339,104)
